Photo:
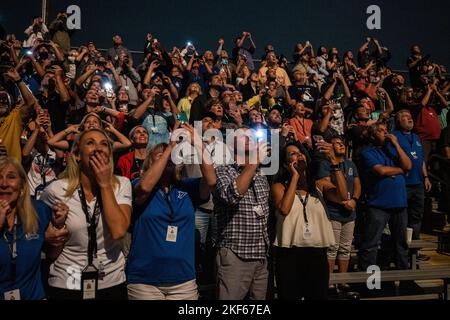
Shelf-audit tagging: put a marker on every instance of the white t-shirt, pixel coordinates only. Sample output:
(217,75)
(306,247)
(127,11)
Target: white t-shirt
(41,163)
(65,272)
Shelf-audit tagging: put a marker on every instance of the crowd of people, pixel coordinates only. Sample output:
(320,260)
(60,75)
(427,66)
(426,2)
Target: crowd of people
(88,176)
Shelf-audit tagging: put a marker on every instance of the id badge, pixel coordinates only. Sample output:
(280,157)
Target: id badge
(154,130)
(172,233)
(414,155)
(258,210)
(307,232)
(89,282)
(12,295)
(38,191)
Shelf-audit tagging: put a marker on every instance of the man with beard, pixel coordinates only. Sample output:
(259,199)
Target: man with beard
(54,97)
(385,169)
(130,165)
(241,204)
(12,116)
(416,178)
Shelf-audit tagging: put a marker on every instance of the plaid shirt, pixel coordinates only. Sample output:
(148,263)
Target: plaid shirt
(240,227)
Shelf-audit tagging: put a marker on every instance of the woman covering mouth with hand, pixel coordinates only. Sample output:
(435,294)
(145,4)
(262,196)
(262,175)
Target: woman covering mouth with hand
(99,216)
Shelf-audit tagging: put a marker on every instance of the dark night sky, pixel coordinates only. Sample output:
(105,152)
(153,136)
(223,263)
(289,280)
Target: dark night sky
(281,22)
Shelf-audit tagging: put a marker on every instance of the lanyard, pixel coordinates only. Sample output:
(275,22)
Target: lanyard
(304,203)
(12,246)
(169,203)
(138,165)
(92,223)
(43,168)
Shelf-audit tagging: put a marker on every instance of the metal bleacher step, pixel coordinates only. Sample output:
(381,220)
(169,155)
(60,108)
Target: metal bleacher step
(430,296)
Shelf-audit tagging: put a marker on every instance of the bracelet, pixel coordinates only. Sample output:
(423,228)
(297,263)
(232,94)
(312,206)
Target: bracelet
(335,169)
(18,81)
(58,227)
(335,166)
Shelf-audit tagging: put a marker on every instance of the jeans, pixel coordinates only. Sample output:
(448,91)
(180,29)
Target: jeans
(206,224)
(376,220)
(416,207)
(202,224)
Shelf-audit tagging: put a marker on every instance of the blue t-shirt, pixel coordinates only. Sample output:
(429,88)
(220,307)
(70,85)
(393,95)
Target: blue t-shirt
(337,212)
(381,191)
(28,262)
(156,125)
(153,260)
(412,146)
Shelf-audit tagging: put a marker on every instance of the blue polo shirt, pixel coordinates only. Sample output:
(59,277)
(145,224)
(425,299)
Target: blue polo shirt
(337,211)
(410,143)
(152,259)
(381,191)
(28,262)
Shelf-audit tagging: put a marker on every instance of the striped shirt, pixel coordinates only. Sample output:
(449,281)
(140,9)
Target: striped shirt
(242,218)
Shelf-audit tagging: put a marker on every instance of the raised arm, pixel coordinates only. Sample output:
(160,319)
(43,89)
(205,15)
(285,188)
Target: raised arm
(117,216)
(122,142)
(28,97)
(58,141)
(283,198)
(151,177)
(140,110)
(62,89)
(333,192)
(58,53)
(89,71)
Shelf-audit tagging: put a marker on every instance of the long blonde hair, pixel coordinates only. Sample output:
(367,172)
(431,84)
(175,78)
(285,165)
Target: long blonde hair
(72,173)
(26,213)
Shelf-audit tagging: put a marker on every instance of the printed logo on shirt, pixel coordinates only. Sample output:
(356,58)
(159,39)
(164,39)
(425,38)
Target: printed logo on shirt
(350,171)
(182,194)
(31,236)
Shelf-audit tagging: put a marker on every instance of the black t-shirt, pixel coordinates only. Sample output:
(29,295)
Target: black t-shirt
(136,168)
(357,134)
(444,141)
(306,94)
(56,109)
